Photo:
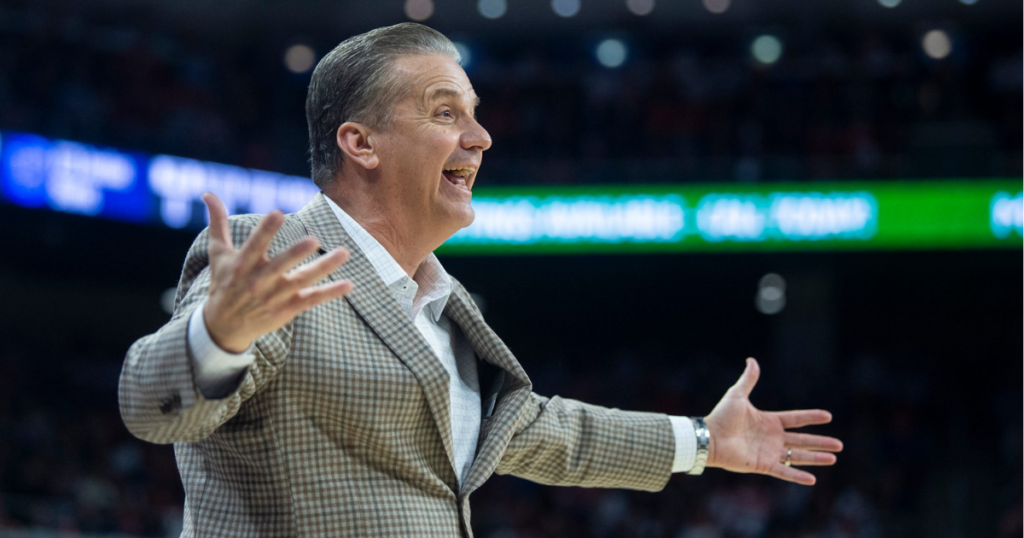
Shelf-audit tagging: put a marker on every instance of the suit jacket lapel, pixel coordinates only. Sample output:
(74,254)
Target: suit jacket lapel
(497,431)
(375,304)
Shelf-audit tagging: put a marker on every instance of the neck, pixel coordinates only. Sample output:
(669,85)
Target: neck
(404,238)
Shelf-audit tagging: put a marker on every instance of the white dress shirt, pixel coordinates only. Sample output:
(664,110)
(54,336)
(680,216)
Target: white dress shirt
(423,298)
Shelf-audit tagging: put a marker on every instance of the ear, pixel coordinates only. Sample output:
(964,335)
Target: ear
(354,141)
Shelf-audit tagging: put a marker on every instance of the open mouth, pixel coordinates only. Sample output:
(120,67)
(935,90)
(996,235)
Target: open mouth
(459,176)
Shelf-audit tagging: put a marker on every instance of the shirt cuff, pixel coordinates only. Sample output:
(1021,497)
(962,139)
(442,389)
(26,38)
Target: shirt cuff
(213,366)
(686,444)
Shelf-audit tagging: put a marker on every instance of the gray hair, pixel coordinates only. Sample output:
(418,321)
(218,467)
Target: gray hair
(356,82)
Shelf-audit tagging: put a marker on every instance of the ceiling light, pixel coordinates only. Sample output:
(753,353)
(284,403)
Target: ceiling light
(299,58)
(640,7)
(766,49)
(492,9)
(419,10)
(611,53)
(717,6)
(565,8)
(465,55)
(937,44)
(771,294)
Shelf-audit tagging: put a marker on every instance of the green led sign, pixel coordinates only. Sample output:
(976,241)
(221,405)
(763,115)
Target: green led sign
(777,217)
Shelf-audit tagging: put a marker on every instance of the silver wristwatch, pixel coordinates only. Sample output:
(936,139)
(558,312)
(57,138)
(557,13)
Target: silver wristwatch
(700,429)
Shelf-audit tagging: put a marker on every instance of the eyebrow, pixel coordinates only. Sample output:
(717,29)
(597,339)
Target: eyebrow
(448,92)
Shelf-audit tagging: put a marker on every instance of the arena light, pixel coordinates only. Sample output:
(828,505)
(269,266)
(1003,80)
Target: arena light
(717,6)
(565,8)
(167,300)
(419,10)
(611,53)
(299,58)
(937,44)
(492,9)
(771,294)
(640,7)
(889,3)
(968,2)
(465,54)
(766,49)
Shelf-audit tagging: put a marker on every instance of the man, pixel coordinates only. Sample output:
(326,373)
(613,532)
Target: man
(295,412)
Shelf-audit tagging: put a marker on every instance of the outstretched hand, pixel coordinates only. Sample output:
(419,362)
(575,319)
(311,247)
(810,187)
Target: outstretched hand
(251,294)
(745,439)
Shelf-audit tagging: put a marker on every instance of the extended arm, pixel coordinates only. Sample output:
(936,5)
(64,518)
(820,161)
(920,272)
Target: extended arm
(570,443)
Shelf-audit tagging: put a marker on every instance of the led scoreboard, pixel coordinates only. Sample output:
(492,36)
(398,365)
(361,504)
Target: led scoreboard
(165,190)
(768,217)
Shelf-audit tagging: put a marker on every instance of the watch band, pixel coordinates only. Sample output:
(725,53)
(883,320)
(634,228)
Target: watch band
(700,429)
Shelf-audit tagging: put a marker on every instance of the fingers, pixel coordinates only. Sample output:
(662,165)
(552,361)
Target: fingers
(748,379)
(812,442)
(309,297)
(219,228)
(256,245)
(317,270)
(791,474)
(283,262)
(803,417)
(808,457)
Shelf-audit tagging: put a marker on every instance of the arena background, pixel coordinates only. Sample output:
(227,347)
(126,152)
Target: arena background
(914,345)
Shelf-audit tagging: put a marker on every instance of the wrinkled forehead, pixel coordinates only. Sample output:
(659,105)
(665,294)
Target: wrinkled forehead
(428,78)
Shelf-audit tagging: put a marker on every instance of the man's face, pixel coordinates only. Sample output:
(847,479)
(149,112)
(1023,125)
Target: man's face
(431,152)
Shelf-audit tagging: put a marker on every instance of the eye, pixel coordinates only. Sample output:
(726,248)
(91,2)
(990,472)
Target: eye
(445,113)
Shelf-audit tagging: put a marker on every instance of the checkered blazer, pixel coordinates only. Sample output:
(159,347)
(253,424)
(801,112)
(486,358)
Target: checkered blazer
(341,425)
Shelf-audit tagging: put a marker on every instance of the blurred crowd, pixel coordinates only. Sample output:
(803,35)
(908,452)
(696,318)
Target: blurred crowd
(68,464)
(847,103)
(851,103)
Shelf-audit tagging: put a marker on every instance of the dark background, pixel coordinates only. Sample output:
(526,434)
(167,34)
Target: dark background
(917,354)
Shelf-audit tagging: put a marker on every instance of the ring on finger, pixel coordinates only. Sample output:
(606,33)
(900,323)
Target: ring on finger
(789,457)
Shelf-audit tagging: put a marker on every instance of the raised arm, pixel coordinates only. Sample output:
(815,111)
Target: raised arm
(249,299)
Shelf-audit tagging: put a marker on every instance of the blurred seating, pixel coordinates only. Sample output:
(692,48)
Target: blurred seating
(68,464)
(865,105)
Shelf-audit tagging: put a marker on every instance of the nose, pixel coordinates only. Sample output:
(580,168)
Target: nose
(475,137)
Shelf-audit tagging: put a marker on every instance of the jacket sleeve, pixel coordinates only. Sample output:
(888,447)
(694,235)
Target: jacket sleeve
(565,442)
(157,394)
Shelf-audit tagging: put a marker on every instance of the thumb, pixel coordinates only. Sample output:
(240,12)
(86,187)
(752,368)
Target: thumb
(748,379)
(220,230)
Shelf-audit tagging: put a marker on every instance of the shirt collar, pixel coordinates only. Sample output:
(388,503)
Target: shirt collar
(432,284)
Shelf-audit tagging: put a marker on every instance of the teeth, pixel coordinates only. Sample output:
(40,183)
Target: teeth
(461,171)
